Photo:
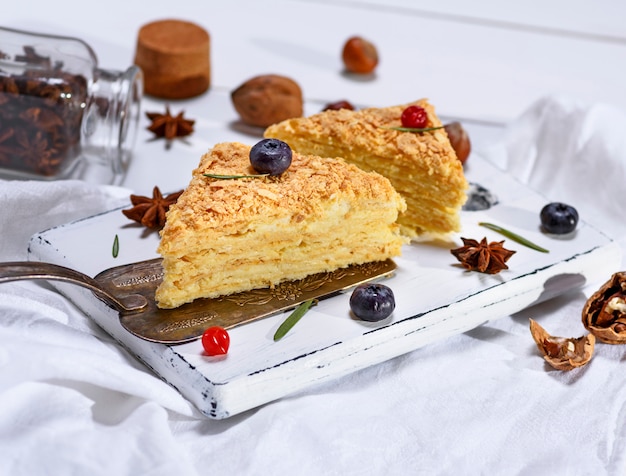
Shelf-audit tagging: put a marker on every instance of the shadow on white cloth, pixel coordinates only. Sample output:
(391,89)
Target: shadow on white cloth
(484,402)
(571,152)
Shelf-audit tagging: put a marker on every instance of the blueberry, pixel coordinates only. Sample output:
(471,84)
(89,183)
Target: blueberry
(479,198)
(270,156)
(558,218)
(372,302)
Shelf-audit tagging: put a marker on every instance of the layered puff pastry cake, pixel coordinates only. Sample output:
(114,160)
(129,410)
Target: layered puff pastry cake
(422,166)
(231,235)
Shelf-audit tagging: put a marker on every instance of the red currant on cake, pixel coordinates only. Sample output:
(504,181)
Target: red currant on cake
(414,117)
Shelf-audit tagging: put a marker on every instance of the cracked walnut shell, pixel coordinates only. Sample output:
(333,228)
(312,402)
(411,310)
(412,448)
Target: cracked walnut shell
(265,100)
(560,352)
(604,313)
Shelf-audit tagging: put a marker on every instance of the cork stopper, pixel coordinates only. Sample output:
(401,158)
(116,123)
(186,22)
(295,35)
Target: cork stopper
(174,56)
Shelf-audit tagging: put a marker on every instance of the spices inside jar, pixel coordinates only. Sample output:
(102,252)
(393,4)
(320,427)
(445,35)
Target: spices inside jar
(41,111)
(61,116)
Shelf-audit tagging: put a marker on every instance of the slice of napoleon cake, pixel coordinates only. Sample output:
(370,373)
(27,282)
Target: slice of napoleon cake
(231,235)
(422,166)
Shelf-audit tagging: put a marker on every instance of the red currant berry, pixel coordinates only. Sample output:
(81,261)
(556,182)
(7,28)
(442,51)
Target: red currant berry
(215,341)
(414,117)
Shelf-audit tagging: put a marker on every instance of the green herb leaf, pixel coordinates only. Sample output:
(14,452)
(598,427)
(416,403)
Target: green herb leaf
(116,246)
(293,319)
(233,177)
(414,129)
(515,237)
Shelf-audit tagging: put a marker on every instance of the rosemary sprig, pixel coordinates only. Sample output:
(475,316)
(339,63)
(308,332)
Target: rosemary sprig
(293,319)
(515,237)
(232,177)
(116,246)
(414,129)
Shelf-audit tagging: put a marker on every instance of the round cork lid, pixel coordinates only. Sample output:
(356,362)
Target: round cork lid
(174,56)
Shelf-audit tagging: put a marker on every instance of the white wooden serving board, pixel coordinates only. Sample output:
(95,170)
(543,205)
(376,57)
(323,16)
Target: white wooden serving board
(435,298)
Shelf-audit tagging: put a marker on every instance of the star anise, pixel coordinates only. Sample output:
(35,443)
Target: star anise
(483,257)
(36,153)
(150,212)
(168,126)
(30,56)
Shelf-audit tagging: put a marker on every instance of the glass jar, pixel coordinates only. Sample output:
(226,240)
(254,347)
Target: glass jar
(61,116)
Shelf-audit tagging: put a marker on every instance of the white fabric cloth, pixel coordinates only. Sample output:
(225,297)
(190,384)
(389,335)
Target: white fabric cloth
(571,152)
(484,402)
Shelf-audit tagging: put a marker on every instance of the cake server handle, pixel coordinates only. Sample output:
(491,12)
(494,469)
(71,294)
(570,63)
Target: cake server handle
(25,270)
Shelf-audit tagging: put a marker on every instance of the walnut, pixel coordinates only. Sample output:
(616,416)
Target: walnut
(265,100)
(560,352)
(604,313)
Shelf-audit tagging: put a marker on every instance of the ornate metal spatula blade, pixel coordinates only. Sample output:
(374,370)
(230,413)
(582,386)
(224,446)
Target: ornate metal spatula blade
(188,322)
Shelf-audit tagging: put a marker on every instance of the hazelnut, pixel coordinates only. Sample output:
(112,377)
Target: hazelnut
(265,100)
(459,139)
(604,313)
(560,352)
(359,55)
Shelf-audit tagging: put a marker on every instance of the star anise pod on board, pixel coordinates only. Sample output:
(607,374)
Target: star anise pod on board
(481,256)
(168,126)
(150,212)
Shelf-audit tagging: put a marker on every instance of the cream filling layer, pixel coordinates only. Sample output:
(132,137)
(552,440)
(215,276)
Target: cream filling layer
(273,251)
